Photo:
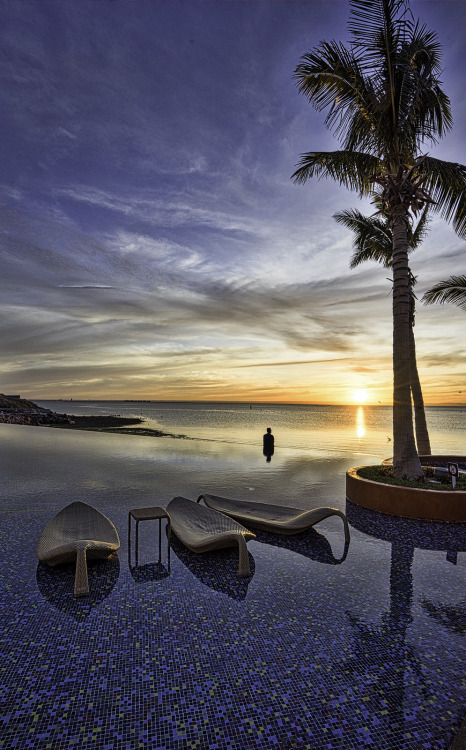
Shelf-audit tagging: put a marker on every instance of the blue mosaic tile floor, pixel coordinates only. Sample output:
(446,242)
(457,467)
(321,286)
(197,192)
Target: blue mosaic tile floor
(322,648)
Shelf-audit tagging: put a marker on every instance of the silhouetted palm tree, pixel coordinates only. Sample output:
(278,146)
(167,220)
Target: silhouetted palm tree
(451,290)
(372,240)
(384,99)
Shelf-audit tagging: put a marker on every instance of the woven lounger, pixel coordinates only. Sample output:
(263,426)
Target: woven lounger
(274,518)
(77,532)
(202,529)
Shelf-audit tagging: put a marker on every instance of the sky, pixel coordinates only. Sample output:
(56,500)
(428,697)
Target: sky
(152,242)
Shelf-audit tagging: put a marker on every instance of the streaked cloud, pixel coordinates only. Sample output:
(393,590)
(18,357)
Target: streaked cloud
(152,244)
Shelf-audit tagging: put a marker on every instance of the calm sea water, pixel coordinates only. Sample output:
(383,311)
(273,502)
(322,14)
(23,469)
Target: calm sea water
(220,452)
(296,427)
(317,430)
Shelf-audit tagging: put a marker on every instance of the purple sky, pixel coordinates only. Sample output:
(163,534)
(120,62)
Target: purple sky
(152,242)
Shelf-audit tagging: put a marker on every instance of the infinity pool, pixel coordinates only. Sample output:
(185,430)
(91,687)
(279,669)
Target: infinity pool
(323,647)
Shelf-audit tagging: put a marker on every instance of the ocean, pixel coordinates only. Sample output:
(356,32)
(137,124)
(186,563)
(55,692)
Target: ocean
(360,429)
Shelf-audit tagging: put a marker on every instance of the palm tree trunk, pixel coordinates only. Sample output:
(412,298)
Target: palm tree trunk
(422,433)
(406,461)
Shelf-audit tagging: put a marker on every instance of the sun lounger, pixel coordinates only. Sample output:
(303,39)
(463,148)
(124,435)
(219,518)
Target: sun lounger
(202,529)
(78,532)
(275,518)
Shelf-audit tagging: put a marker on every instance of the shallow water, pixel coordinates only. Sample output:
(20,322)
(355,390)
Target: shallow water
(322,647)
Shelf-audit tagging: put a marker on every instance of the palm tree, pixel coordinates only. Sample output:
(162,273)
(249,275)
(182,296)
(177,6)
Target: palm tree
(372,240)
(451,290)
(384,99)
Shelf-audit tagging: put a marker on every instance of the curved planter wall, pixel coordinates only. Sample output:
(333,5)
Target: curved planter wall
(409,502)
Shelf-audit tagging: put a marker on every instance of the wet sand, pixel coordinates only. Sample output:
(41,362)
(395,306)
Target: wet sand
(113,424)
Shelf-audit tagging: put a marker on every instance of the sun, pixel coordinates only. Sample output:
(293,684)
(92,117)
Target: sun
(360,395)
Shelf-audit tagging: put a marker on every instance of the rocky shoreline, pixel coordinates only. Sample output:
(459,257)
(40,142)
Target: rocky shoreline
(16,410)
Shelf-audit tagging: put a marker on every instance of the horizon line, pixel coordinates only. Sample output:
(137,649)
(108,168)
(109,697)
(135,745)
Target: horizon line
(222,401)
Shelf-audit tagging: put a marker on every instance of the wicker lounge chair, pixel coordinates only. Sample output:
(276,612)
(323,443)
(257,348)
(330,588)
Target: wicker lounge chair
(202,529)
(78,532)
(276,518)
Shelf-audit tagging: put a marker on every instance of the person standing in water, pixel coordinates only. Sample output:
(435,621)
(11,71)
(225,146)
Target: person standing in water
(268,444)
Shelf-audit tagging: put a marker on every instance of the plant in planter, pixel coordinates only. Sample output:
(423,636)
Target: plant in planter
(434,478)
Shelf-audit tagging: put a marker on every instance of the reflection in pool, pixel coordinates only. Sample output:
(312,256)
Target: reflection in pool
(56,584)
(217,569)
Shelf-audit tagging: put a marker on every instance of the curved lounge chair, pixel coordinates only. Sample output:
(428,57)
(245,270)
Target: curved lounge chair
(274,518)
(78,532)
(202,529)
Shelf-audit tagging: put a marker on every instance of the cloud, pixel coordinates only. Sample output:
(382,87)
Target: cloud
(84,286)
(150,234)
(296,362)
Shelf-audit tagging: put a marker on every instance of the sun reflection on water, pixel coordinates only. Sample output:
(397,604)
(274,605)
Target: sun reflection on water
(360,423)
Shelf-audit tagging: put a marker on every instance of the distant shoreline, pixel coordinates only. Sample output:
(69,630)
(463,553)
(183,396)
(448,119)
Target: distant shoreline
(253,404)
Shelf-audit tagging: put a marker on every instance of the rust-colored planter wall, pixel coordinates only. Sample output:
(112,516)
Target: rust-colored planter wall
(410,502)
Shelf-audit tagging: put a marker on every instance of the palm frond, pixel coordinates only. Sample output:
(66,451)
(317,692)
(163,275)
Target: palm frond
(352,169)
(423,109)
(372,240)
(419,232)
(384,92)
(445,182)
(377,27)
(379,204)
(329,77)
(451,290)
(372,236)
(423,49)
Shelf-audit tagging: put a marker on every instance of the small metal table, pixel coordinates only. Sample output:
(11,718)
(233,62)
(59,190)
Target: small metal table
(149,514)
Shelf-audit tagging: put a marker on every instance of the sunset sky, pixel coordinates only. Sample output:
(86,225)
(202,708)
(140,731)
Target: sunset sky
(153,245)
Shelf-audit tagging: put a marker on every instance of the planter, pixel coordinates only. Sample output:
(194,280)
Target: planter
(408,502)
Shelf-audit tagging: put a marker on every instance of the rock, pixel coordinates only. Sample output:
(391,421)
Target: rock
(16,410)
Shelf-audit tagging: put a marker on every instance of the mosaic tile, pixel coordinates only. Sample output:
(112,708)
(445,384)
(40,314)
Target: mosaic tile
(322,648)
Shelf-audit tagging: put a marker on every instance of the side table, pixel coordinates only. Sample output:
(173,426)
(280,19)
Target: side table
(149,514)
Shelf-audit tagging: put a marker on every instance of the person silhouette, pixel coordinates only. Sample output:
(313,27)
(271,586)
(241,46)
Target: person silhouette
(268,441)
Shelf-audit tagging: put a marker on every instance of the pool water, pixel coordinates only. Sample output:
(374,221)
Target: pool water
(323,647)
